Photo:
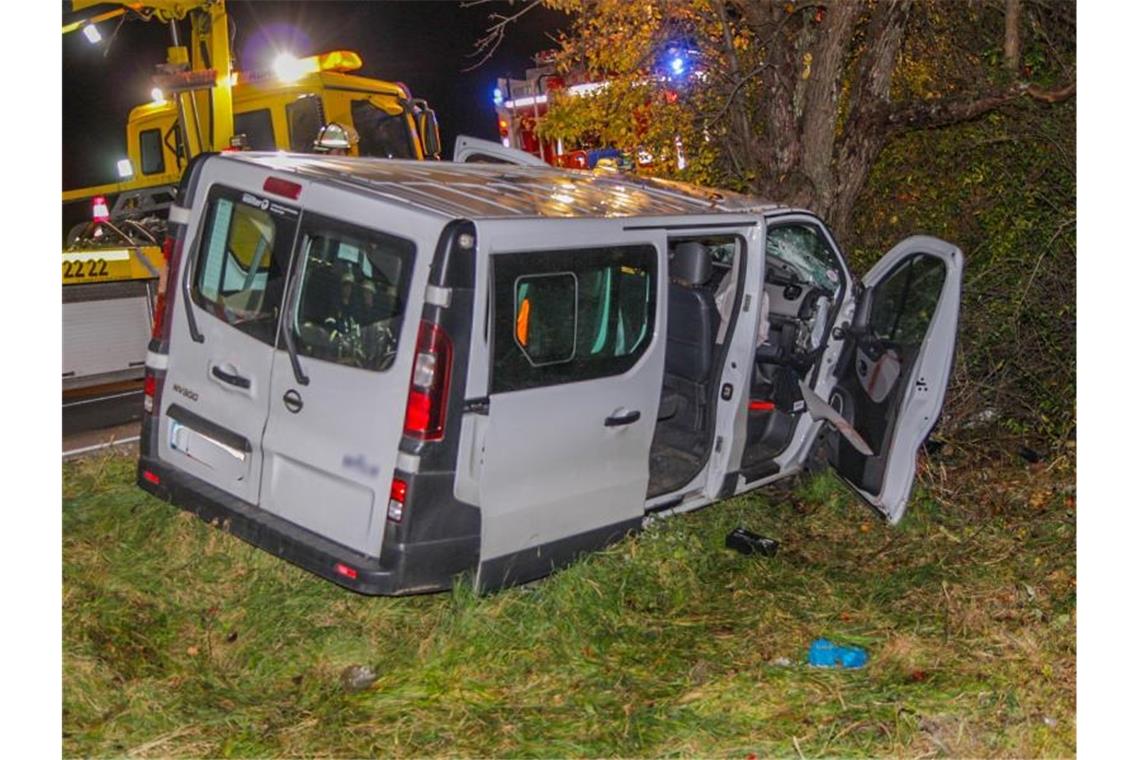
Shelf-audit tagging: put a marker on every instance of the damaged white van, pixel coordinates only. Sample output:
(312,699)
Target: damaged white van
(393,373)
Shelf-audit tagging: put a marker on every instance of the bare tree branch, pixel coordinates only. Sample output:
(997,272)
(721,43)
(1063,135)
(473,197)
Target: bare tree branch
(929,114)
(486,45)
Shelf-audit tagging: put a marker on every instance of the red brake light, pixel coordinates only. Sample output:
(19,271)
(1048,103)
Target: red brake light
(426,411)
(346,571)
(282,187)
(160,317)
(761,406)
(150,477)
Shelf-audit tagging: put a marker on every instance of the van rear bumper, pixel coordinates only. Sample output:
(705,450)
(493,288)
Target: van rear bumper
(403,569)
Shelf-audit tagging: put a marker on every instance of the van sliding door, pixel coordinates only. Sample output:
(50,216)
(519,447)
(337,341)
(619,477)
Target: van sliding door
(573,367)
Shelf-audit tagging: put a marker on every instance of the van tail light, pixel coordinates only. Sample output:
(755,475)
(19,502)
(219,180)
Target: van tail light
(426,411)
(396,500)
(161,323)
(150,386)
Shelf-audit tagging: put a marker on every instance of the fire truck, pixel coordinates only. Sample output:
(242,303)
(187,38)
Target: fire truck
(522,104)
(113,262)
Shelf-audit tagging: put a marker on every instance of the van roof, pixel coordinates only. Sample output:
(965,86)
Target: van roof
(483,191)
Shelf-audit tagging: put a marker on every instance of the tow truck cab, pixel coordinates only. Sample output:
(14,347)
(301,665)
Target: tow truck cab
(392,373)
(285,111)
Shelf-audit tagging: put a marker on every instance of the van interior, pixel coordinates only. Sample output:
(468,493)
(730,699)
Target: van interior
(802,286)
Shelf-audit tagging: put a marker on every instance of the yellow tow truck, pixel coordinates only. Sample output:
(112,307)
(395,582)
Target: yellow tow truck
(113,262)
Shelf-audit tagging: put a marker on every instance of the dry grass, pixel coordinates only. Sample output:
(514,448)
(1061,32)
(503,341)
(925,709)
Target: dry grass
(180,640)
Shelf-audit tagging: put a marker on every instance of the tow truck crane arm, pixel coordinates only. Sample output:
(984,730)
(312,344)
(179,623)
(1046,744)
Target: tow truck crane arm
(207,64)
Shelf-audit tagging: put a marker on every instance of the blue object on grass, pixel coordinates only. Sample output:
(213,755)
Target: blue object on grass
(828,654)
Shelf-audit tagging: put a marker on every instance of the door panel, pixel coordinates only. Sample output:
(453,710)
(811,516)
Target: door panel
(216,393)
(576,367)
(474,150)
(893,374)
(332,436)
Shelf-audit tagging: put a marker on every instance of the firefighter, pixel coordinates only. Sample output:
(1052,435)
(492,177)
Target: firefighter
(335,140)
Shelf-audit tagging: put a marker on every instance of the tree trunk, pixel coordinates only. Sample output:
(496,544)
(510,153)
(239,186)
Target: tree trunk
(1012,35)
(863,133)
(821,99)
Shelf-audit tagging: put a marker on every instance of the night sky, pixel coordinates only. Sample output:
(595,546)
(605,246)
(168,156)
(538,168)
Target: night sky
(423,43)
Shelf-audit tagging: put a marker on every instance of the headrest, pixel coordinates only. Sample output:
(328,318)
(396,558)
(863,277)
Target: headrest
(691,263)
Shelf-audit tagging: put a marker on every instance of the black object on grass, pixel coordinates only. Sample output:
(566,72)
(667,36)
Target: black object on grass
(747,542)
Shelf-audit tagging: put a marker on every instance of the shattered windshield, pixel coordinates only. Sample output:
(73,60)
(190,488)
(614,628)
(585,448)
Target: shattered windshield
(799,250)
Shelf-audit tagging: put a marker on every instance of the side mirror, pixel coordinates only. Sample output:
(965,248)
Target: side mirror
(428,127)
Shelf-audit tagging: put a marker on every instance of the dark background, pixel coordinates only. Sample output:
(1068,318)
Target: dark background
(423,43)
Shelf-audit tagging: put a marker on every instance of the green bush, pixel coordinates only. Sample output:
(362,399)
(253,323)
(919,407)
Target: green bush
(1002,188)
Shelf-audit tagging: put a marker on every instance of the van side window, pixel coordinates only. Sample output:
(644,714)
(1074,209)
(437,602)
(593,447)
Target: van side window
(570,315)
(353,292)
(150,151)
(239,274)
(257,126)
(905,302)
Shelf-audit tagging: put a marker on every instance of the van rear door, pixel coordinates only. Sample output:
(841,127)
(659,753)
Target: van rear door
(571,366)
(216,392)
(336,406)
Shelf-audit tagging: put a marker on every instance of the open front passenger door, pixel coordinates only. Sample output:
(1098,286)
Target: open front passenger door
(895,365)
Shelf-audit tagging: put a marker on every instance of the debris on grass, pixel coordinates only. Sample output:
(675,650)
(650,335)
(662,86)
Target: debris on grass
(747,542)
(1028,454)
(357,677)
(827,654)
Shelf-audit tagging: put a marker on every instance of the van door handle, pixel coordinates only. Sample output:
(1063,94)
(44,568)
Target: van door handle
(233,379)
(617,420)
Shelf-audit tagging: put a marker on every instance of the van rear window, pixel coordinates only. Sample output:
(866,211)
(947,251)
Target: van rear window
(353,293)
(243,255)
(571,315)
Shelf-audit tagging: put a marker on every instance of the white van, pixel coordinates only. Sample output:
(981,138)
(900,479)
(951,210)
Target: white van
(392,373)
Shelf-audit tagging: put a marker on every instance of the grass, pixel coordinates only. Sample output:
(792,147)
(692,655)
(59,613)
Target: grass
(180,640)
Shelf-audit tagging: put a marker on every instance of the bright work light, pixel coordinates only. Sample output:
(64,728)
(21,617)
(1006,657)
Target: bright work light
(157,96)
(91,32)
(124,167)
(289,68)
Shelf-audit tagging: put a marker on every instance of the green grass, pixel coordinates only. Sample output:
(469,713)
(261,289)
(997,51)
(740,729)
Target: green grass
(180,640)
